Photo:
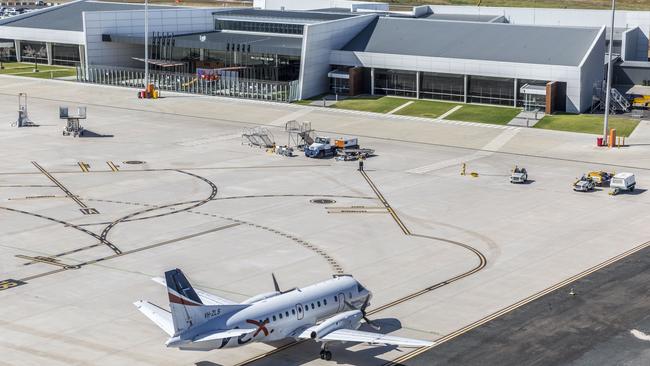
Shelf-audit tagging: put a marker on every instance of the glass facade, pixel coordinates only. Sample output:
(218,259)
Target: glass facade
(65,54)
(442,86)
(33,52)
(263,27)
(488,90)
(340,86)
(395,82)
(249,65)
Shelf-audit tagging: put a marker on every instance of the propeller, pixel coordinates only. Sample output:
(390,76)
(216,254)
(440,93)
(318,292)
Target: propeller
(362,309)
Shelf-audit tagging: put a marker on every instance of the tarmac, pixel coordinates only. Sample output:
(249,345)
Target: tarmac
(86,222)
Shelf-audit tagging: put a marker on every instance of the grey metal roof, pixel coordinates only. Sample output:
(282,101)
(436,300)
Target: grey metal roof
(300,17)
(289,46)
(68,17)
(461,17)
(475,41)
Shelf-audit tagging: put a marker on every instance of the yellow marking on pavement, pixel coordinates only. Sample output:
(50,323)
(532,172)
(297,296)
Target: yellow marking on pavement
(112,166)
(84,166)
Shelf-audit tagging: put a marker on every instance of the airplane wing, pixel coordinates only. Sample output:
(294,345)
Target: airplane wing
(206,298)
(351,335)
(156,314)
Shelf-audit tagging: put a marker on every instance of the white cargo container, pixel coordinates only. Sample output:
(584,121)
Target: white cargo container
(623,181)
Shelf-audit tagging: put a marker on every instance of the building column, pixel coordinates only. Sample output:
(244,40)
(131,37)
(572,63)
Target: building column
(515,94)
(465,85)
(17,46)
(372,81)
(82,59)
(48,49)
(201,54)
(417,84)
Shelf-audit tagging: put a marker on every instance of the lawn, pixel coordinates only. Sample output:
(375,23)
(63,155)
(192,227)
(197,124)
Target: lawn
(425,108)
(484,114)
(45,71)
(371,104)
(587,123)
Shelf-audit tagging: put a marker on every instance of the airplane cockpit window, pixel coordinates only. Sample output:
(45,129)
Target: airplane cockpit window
(360,288)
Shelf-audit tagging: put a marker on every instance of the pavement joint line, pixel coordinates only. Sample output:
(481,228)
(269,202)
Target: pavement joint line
(400,107)
(517,305)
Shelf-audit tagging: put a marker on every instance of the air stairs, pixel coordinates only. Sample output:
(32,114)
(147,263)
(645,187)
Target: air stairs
(258,136)
(617,101)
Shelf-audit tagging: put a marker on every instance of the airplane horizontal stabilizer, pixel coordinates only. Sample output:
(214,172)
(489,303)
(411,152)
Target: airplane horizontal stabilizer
(206,298)
(156,314)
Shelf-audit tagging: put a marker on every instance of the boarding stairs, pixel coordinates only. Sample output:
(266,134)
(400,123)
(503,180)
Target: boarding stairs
(617,101)
(258,136)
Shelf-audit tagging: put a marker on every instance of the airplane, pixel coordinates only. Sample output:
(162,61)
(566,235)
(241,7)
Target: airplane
(326,312)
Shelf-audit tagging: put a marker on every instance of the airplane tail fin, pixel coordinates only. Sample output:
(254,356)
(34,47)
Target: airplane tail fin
(187,309)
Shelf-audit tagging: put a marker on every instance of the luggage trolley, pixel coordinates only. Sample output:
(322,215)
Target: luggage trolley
(73,127)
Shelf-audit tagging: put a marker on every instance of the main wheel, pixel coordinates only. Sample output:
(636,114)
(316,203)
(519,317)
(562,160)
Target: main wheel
(322,355)
(328,355)
(632,188)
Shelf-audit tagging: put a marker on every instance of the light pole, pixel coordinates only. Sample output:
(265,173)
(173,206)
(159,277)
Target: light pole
(609,76)
(146,44)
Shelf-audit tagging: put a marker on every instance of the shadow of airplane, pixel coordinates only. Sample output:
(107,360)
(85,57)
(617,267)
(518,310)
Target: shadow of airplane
(91,134)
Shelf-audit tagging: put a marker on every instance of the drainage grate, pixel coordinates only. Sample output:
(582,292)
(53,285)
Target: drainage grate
(322,201)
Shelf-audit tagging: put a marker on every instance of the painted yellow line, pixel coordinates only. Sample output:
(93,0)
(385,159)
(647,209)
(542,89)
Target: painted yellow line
(83,166)
(112,166)
(517,305)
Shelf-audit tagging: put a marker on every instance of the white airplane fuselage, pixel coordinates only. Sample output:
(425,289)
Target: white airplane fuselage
(279,316)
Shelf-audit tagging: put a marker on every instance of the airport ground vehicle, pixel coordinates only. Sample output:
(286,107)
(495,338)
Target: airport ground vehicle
(518,175)
(623,182)
(584,184)
(600,178)
(323,147)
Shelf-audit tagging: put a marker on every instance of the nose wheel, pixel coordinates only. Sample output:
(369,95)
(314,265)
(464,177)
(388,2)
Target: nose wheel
(325,354)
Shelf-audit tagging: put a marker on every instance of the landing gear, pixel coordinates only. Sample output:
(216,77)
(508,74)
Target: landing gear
(325,354)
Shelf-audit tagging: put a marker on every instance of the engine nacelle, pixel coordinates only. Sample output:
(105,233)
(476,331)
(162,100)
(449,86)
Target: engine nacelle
(347,320)
(261,297)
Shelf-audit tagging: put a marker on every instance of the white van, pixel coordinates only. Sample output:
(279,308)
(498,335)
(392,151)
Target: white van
(623,181)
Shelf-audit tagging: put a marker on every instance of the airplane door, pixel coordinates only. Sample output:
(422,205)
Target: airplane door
(299,312)
(341,297)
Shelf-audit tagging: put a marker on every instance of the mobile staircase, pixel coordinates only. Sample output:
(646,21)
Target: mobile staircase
(258,136)
(617,101)
(300,134)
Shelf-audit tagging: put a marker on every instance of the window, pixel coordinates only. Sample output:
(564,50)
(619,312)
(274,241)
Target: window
(306,308)
(324,302)
(293,312)
(318,303)
(274,318)
(312,306)
(266,320)
(280,315)
(336,299)
(287,314)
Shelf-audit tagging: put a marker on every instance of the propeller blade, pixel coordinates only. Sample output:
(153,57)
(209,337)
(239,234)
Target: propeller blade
(365,304)
(275,283)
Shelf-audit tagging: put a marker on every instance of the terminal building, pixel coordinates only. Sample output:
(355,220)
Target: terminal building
(291,50)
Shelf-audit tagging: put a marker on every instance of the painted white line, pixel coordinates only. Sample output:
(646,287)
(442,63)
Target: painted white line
(400,107)
(640,335)
(446,114)
(490,148)
(279,122)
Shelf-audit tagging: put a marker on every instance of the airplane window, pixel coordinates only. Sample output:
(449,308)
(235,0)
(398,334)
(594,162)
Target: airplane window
(312,306)
(306,307)
(280,315)
(274,318)
(325,302)
(293,311)
(318,302)
(286,313)
(336,299)
(300,310)
(266,320)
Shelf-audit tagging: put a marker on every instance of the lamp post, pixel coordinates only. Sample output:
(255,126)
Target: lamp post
(609,76)
(146,43)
